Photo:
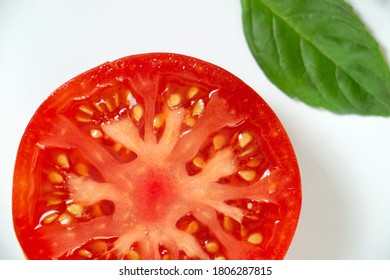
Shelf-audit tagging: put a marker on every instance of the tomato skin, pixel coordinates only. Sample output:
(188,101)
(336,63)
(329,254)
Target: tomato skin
(145,72)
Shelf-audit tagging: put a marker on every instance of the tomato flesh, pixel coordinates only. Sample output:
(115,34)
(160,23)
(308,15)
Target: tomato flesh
(155,156)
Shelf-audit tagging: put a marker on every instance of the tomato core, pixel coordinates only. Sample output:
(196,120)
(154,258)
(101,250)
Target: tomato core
(154,198)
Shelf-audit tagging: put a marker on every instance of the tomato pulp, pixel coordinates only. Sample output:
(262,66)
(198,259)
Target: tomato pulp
(155,156)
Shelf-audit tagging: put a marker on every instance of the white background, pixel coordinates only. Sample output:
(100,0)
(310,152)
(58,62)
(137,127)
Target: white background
(344,160)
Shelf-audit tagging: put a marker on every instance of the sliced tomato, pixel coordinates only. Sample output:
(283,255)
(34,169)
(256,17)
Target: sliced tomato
(155,156)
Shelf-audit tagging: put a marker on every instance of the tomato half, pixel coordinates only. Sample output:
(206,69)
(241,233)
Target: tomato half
(155,156)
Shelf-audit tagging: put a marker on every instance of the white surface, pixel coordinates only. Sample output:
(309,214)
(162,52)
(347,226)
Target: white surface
(344,160)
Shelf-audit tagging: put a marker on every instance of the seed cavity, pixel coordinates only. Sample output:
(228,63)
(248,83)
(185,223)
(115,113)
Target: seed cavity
(244,139)
(192,92)
(174,100)
(158,121)
(198,108)
(138,112)
(218,141)
(255,238)
(247,175)
(55,177)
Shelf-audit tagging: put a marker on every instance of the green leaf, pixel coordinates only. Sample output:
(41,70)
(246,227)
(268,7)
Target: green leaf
(320,52)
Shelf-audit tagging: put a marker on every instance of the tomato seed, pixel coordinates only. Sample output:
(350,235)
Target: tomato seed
(166,257)
(96,133)
(50,218)
(99,247)
(247,175)
(199,162)
(218,141)
(255,238)
(59,193)
(133,255)
(84,118)
(253,163)
(62,161)
(174,100)
(227,223)
(116,99)
(247,152)
(97,211)
(65,219)
(138,112)
(244,139)
(117,147)
(219,258)
(130,100)
(212,247)
(192,92)
(97,106)
(86,109)
(85,253)
(82,169)
(109,104)
(198,108)
(243,231)
(252,217)
(75,209)
(190,121)
(55,177)
(54,201)
(193,227)
(158,121)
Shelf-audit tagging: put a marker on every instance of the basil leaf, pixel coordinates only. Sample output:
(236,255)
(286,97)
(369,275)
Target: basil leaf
(319,52)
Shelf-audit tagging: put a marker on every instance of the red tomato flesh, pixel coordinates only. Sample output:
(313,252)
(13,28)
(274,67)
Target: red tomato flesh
(155,156)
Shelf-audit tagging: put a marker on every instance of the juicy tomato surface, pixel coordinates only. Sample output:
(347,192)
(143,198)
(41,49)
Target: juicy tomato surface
(155,156)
